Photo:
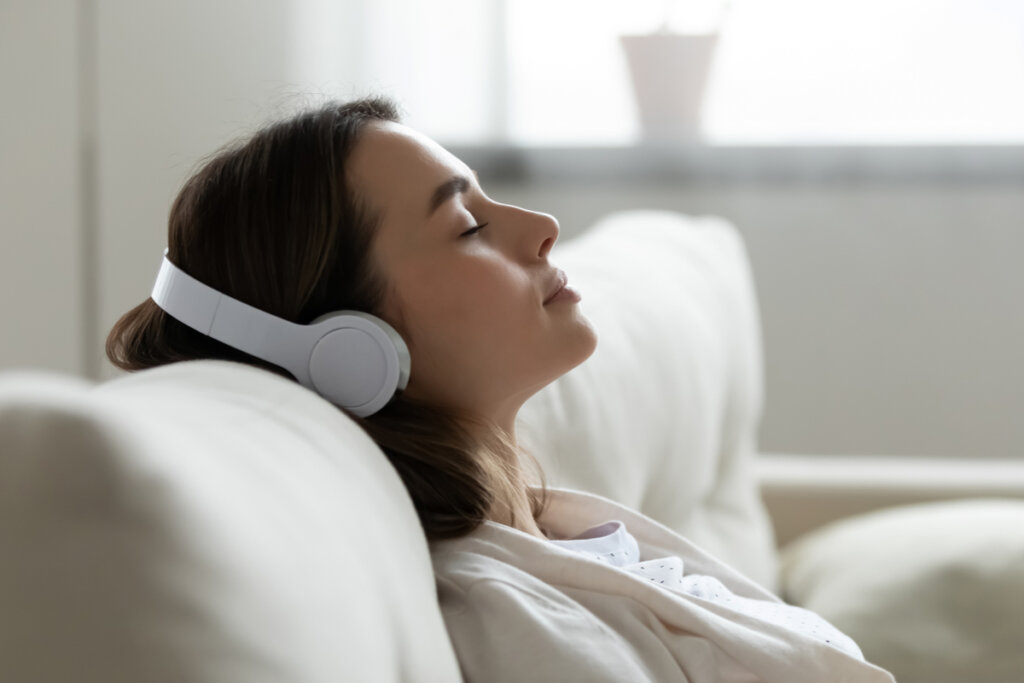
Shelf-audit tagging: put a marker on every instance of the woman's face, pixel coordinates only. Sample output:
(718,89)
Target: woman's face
(472,304)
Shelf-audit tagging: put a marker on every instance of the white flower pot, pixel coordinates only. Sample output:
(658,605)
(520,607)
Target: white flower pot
(669,73)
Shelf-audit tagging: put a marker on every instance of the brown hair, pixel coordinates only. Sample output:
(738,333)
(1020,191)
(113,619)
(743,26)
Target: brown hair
(272,221)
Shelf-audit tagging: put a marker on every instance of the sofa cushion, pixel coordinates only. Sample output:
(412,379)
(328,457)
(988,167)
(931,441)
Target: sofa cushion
(205,521)
(933,592)
(664,416)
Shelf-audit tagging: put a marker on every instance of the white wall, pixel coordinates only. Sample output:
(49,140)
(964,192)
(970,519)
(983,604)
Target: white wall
(107,107)
(40,199)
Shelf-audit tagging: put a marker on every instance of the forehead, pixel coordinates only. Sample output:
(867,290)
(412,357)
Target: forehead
(396,169)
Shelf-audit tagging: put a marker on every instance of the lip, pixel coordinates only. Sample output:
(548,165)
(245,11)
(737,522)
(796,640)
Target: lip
(560,281)
(560,289)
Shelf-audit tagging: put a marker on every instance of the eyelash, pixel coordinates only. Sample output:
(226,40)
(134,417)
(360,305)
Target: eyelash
(474,230)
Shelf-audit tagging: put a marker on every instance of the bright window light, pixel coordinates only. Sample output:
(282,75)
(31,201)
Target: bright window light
(553,72)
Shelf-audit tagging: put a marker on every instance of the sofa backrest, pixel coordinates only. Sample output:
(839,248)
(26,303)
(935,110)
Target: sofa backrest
(205,521)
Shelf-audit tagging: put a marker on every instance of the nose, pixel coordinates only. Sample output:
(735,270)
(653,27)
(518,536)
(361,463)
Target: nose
(547,233)
(534,234)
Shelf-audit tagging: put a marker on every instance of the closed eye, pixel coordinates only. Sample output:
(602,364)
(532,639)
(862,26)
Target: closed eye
(474,230)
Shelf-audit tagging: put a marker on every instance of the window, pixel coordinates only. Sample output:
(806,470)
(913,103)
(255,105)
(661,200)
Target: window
(552,72)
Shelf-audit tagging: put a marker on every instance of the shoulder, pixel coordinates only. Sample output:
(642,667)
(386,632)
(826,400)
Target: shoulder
(499,569)
(508,625)
(492,557)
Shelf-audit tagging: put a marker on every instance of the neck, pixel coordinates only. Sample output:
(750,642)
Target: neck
(515,512)
(499,431)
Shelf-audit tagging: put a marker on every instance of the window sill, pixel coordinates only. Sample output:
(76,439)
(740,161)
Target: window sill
(747,164)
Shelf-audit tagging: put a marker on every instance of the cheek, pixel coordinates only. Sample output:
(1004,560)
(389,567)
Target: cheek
(467,308)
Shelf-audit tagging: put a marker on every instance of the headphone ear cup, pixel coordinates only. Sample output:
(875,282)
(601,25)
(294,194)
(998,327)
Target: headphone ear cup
(358,362)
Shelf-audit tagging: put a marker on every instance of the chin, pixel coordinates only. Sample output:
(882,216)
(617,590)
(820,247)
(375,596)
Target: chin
(590,333)
(583,342)
(576,346)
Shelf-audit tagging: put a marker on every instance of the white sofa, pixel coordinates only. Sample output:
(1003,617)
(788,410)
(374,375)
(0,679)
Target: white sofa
(208,521)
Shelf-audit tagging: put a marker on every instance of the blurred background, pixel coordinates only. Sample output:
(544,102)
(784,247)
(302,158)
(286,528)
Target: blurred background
(870,152)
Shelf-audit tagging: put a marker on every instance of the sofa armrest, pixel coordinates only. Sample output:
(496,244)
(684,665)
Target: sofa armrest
(804,492)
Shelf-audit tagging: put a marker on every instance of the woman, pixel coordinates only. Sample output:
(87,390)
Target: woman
(344,208)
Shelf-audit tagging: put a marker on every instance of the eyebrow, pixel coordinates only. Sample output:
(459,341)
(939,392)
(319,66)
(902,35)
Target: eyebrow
(446,190)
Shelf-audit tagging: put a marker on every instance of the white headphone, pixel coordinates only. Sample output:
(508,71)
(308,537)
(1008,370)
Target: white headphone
(351,358)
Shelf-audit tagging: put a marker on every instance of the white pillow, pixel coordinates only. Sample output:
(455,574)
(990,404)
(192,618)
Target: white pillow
(663,417)
(932,592)
(205,521)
